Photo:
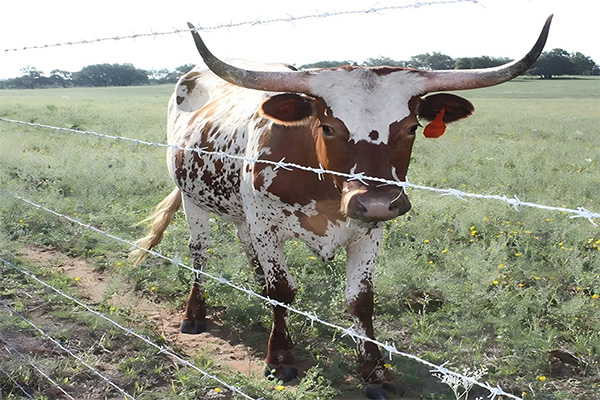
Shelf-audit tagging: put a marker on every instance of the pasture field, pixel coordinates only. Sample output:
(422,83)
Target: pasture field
(473,283)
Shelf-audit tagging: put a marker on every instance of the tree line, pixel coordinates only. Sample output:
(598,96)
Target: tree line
(556,62)
(97,75)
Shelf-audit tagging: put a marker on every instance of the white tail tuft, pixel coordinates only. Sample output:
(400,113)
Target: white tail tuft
(161,218)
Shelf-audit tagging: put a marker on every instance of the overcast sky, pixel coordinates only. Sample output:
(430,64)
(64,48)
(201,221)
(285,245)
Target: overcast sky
(500,28)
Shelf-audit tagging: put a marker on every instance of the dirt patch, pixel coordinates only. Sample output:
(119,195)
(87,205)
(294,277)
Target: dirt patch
(219,344)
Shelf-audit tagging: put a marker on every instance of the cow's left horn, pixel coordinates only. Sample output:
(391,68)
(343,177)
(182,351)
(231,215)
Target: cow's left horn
(275,81)
(478,78)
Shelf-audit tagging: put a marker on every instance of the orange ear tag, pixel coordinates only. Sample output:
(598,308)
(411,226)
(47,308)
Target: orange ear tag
(437,127)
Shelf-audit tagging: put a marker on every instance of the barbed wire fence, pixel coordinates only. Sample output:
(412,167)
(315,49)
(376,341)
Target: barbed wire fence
(289,18)
(392,350)
(311,316)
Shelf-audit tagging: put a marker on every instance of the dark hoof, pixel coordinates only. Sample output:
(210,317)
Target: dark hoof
(284,372)
(385,391)
(193,327)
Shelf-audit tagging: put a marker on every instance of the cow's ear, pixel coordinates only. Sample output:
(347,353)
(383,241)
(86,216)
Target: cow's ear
(440,109)
(288,109)
(454,107)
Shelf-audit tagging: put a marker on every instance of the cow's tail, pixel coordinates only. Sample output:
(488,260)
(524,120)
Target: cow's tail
(160,219)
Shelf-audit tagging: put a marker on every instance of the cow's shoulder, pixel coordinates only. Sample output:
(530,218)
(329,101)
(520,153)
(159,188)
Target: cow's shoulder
(305,196)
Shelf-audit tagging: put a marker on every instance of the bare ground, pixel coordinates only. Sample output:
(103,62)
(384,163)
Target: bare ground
(216,341)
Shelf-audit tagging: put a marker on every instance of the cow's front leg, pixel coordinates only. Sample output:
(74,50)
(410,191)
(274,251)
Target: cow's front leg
(279,285)
(360,263)
(243,234)
(280,359)
(194,320)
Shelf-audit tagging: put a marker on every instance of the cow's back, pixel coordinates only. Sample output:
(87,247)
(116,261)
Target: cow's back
(207,113)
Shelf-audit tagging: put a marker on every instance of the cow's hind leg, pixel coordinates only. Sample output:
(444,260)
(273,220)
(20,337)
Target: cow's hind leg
(194,320)
(361,258)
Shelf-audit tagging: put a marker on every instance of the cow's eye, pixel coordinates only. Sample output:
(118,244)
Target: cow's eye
(413,129)
(327,130)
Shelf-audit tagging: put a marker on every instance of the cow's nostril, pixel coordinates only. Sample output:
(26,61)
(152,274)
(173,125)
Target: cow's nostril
(359,207)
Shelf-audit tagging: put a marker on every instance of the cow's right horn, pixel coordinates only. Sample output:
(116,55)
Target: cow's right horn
(275,81)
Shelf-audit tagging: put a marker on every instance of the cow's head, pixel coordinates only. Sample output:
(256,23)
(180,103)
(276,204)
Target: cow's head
(364,120)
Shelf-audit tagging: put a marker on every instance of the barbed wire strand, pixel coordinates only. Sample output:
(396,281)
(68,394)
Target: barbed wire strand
(289,18)
(11,349)
(129,331)
(313,317)
(514,201)
(69,352)
(17,384)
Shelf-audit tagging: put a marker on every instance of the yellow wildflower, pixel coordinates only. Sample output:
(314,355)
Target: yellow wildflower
(541,378)
(280,388)
(595,296)
(444,251)
(218,390)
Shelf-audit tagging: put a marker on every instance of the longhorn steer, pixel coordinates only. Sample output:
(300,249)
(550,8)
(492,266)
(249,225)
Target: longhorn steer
(348,119)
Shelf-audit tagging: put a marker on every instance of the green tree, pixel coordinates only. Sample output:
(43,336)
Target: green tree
(583,64)
(552,63)
(31,77)
(60,77)
(328,64)
(479,62)
(434,61)
(110,75)
(182,70)
(383,62)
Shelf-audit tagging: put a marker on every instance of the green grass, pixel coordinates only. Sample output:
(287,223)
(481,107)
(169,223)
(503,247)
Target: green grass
(475,282)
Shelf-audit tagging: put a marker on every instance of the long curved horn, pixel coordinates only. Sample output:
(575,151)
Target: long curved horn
(275,81)
(478,78)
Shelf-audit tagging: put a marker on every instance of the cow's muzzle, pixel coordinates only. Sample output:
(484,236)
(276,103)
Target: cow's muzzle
(373,203)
